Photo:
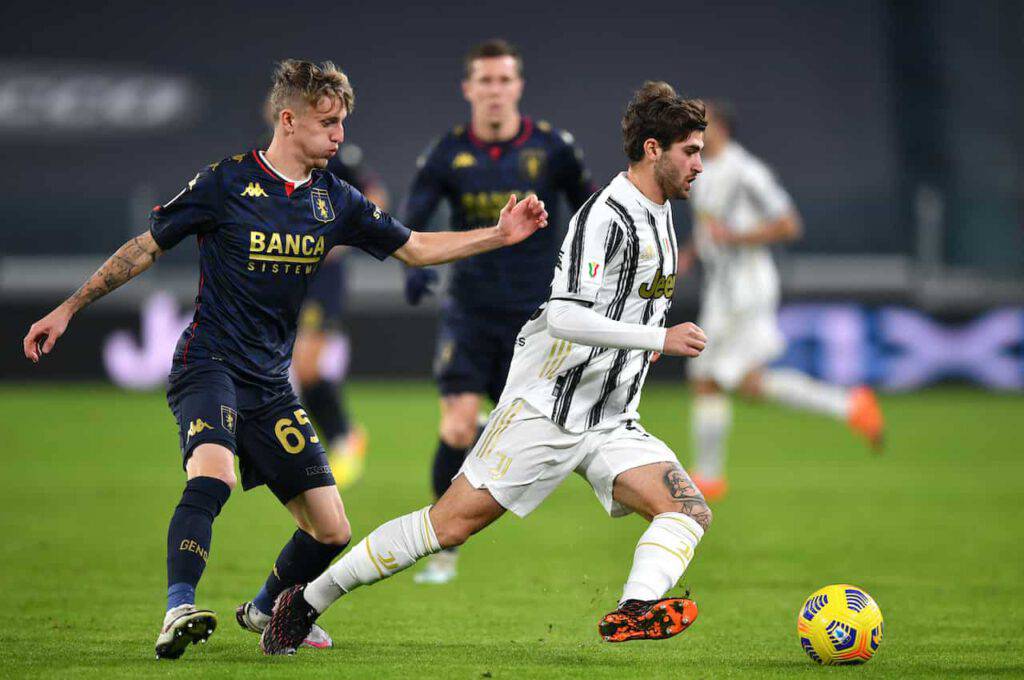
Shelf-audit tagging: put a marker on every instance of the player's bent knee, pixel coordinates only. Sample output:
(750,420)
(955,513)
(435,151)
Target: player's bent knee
(452,534)
(213,460)
(459,433)
(339,533)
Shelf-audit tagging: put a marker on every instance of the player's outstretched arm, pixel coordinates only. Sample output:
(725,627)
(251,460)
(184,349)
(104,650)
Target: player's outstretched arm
(571,321)
(518,220)
(130,260)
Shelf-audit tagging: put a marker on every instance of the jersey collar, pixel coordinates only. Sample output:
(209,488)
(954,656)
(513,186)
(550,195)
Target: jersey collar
(496,149)
(290,185)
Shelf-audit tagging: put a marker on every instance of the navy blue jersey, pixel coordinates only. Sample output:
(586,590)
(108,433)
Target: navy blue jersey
(476,179)
(260,239)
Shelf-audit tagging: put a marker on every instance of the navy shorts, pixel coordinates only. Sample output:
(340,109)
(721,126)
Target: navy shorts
(324,305)
(265,427)
(474,350)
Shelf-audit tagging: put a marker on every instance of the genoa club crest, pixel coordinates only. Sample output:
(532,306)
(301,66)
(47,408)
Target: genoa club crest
(321,202)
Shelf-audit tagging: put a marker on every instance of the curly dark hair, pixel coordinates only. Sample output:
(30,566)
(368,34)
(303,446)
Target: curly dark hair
(657,112)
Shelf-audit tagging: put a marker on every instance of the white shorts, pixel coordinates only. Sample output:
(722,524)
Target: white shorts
(522,456)
(737,344)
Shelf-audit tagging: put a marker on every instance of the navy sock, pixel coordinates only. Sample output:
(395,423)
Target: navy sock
(189,536)
(325,407)
(301,560)
(447,461)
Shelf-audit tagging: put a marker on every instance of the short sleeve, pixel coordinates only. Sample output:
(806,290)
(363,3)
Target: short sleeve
(369,228)
(194,210)
(588,249)
(767,194)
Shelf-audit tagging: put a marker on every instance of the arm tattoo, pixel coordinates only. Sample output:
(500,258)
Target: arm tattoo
(691,501)
(130,260)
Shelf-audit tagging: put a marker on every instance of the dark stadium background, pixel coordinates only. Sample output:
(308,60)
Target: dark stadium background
(898,128)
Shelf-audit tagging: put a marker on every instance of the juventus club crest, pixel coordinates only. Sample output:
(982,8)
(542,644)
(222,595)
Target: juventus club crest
(321,202)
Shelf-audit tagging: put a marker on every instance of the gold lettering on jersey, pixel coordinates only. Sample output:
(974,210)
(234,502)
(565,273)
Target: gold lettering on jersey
(484,207)
(463,160)
(254,190)
(661,286)
(289,248)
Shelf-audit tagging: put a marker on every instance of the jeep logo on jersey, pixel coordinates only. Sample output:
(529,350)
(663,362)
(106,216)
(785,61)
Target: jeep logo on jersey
(322,208)
(661,286)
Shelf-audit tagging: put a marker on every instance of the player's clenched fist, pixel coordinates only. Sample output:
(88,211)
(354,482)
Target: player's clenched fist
(684,340)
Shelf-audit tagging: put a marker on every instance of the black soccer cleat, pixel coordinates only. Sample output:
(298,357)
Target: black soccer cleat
(648,619)
(290,624)
(188,626)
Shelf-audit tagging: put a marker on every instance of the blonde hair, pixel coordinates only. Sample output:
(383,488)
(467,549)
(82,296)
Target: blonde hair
(299,80)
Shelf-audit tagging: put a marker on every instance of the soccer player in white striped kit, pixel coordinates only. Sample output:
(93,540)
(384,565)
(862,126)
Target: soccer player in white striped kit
(570,402)
(740,211)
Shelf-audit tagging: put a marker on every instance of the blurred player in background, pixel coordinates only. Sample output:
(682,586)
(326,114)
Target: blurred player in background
(740,210)
(570,404)
(474,168)
(264,221)
(321,322)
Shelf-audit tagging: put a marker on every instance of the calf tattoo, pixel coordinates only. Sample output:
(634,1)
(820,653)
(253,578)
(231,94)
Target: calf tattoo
(691,501)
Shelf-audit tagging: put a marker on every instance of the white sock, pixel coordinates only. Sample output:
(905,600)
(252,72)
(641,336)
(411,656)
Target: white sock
(662,555)
(711,417)
(390,548)
(793,388)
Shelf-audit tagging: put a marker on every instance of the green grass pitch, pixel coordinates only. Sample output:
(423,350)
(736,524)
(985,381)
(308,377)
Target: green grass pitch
(932,529)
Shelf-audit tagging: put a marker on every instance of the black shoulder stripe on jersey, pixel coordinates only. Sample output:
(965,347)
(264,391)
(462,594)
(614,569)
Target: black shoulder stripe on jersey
(631,257)
(674,254)
(612,243)
(657,241)
(576,249)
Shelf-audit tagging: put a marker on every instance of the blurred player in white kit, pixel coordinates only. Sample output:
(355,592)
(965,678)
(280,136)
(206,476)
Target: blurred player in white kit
(740,210)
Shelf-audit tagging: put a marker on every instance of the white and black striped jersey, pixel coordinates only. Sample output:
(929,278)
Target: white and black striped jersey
(619,258)
(739,191)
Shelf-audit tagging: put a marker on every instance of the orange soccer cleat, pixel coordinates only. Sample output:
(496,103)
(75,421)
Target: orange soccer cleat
(648,619)
(865,416)
(712,488)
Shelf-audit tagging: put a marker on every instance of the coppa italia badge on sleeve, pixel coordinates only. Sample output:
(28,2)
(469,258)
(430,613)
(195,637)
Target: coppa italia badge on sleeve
(322,208)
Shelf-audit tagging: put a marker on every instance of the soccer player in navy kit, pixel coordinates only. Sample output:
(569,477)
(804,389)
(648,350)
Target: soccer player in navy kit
(474,168)
(264,221)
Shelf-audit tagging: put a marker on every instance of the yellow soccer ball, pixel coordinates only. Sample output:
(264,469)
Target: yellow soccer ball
(840,624)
